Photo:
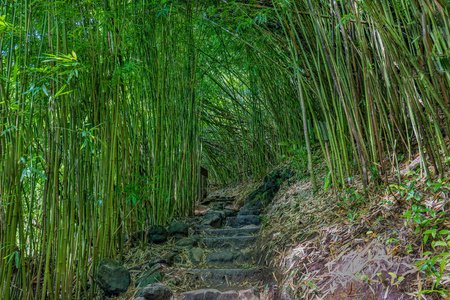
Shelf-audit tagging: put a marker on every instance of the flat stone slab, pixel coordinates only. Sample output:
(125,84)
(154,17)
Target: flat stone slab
(209,294)
(218,199)
(212,294)
(228,259)
(221,199)
(232,232)
(225,275)
(253,212)
(243,220)
(235,242)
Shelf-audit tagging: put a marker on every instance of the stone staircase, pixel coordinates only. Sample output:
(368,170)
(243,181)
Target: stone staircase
(228,237)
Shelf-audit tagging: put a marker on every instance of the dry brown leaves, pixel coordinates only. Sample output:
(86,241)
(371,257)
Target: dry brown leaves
(328,248)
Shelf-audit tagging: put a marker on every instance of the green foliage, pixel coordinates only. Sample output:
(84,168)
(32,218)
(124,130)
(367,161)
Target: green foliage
(427,223)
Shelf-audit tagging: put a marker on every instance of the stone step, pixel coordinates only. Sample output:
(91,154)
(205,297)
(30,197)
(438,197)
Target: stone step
(225,276)
(235,242)
(243,220)
(254,212)
(222,199)
(232,231)
(213,294)
(229,258)
(218,200)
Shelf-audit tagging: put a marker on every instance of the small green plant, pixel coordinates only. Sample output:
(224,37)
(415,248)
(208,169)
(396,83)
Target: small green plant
(407,189)
(427,223)
(354,216)
(395,280)
(365,279)
(409,248)
(438,186)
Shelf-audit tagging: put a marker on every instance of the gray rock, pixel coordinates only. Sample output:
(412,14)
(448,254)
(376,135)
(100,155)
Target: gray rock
(214,218)
(156,291)
(196,255)
(139,298)
(243,220)
(247,295)
(188,242)
(112,277)
(157,234)
(209,294)
(178,229)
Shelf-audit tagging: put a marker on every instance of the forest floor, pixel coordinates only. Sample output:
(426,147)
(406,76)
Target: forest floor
(388,242)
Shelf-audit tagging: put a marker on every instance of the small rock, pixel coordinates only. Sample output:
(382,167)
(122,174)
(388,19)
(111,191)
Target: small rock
(209,294)
(139,298)
(156,291)
(196,255)
(157,234)
(112,277)
(247,295)
(188,242)
(178,229)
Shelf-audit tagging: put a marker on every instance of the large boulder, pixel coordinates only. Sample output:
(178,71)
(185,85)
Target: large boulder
(178,229)
(112,277)
(157,234)
(155,291)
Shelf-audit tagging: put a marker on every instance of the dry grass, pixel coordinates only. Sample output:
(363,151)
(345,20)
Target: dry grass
(333,246)
(346,245)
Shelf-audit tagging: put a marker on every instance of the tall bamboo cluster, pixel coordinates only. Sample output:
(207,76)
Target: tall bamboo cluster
(98,135)
(368,81)
(380,73)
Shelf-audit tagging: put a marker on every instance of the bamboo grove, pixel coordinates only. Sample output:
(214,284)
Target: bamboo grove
(99,127)
(109,107)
